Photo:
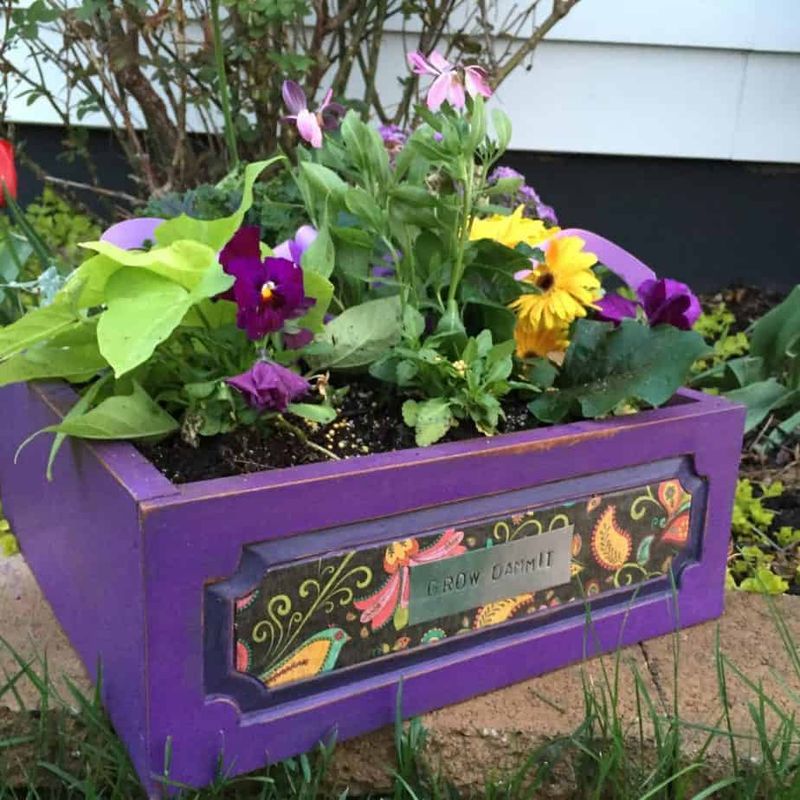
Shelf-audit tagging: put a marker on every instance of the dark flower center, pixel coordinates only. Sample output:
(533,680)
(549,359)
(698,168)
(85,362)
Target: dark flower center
(545,281)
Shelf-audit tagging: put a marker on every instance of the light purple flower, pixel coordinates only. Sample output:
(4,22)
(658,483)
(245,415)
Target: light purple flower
(293,249)
(450,81)
(310,124)
(267,292)
(267,385)
(394,138)
(664,302)
(525,194)
(132,234)
(505,173)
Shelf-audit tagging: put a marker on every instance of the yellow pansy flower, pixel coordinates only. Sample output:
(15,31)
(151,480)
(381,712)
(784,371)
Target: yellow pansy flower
(511,229)
(543,342)
(567,286)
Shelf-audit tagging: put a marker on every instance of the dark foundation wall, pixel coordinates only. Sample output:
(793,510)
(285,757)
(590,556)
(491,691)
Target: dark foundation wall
(709,223)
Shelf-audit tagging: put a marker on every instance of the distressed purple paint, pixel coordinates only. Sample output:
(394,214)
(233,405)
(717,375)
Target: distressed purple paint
(127,559)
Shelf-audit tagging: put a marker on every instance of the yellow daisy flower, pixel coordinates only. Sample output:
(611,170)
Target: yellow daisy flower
(511,229)
(544,342)
(566,283)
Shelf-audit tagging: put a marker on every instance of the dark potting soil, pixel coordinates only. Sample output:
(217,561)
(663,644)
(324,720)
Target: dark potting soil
(369,421)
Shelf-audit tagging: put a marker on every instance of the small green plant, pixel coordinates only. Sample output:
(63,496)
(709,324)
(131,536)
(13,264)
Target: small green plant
(767,379)
(714,326)
(763,560)
(8,542)
(468,387)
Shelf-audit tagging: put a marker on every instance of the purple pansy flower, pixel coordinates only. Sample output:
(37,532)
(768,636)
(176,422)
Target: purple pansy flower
(294,341)
(310,123)
(664,302)
(451,81)
(267,385)
(268,291)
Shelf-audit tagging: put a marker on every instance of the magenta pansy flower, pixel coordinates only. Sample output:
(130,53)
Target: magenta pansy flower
(269,386)
(310,124)
(664,302)
(267,291)
(451,82)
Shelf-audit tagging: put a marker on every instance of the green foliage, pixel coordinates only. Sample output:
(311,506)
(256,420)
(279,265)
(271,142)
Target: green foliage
(61,226)
(359,335)
(8,542)
(765,560)
(469,387)
(767,380)
(714,327)
(607,366)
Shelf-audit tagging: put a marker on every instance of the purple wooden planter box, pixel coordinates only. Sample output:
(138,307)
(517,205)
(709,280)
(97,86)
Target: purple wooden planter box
(165,585)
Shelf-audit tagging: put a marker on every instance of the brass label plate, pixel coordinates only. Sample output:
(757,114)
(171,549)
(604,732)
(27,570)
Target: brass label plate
(493,573)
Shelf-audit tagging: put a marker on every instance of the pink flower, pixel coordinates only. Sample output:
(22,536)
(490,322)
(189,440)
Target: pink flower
(451,80)
(378,608)
(310,123)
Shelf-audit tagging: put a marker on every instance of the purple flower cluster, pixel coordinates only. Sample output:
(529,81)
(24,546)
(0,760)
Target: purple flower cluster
(663,301)
(394,138)
(267,385)
(526,195)
(267,291)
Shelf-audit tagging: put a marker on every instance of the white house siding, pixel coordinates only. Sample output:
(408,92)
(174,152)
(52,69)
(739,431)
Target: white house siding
(716,79)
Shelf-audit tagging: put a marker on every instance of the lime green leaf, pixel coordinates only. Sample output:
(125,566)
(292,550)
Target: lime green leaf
(84,403)
(186,263)
(76,363)
(214,233)
(133,416)
(143,310)
(605,366)
(360,334)
(85,287)
(313,411)
(36,326)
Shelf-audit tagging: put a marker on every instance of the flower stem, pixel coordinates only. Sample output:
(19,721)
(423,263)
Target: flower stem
(219,58)
(298,433)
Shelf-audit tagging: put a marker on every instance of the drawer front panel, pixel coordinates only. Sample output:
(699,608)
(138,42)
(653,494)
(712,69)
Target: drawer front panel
(302,612)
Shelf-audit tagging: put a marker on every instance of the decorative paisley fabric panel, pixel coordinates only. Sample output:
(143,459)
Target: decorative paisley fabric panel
(314,616)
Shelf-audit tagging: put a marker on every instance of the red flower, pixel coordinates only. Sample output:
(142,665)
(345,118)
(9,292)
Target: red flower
(8,171)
